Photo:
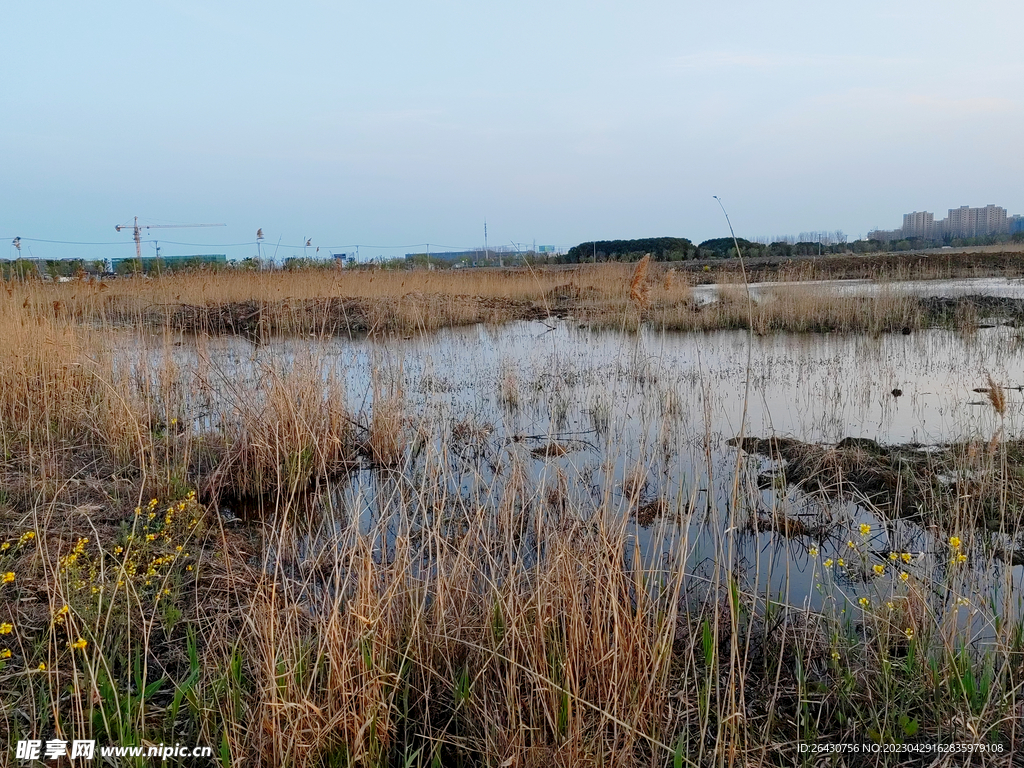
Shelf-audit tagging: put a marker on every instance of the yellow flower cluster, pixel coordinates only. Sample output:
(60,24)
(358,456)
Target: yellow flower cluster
(71,558)
(147,553)
(147,558)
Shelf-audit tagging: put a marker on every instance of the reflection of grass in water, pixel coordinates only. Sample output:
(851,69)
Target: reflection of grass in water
(514,620)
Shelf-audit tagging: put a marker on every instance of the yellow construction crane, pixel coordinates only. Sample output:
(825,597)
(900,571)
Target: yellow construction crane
(139,227)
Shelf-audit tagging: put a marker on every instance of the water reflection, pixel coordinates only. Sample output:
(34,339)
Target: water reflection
(616,426)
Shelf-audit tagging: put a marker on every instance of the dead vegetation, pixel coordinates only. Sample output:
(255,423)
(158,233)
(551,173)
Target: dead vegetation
(330,303)
(425,625)
(976,483)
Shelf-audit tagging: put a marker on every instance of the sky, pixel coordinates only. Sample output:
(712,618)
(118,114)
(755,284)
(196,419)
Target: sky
(396,124)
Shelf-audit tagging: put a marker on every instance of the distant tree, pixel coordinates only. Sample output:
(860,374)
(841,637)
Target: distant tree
(660,248)
(725,247)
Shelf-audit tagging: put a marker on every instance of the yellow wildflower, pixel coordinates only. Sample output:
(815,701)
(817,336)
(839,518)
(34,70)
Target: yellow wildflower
(841,563)
(6,628)
(904,576)
(5,653)
(5,546)
(7,578)
(864,602)
(865,529)
(890,605)
(118,550)
(835,655)
(961,558)
(27,536)
(41,667)
(894,556)
(906,557)
(954,542)
(79,644)
(828,563)
(878,569)
(813,551)
(963,601)
(850,544)
(909,632)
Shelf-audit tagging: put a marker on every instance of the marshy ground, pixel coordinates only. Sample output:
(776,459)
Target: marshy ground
(577,516)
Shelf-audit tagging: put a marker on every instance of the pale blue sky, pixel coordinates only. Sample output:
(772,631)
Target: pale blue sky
(397,122)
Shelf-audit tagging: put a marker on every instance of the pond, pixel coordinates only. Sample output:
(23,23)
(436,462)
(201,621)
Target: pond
(635,428)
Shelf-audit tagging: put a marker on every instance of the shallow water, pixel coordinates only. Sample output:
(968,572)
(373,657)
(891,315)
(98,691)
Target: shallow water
(660,407)
(985,286)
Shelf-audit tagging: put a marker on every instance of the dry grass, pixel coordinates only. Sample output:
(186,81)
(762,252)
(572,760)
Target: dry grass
(519,626)
(333,302)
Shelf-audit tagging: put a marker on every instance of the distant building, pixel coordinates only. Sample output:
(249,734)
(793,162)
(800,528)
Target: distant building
(1015,224)
(975,222)
(919,224)
(962,222)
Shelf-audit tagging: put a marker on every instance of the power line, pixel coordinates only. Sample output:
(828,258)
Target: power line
(245,244)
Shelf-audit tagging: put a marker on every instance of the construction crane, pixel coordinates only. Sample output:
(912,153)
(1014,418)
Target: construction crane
(139,227)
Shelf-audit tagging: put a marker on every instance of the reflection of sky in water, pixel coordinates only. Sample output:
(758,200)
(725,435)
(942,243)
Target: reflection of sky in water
(988,286)
(663,405)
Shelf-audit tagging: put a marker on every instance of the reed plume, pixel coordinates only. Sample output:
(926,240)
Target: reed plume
(996,396)
(639,289)
(669,280)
